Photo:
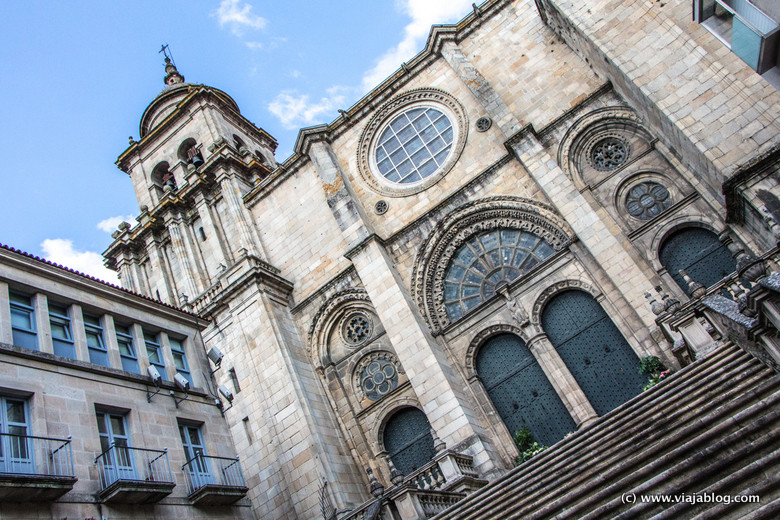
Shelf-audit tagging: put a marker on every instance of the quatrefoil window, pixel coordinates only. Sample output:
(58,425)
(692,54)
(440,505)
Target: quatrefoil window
(356,329)
(609,153)
(647,200)
(378,378)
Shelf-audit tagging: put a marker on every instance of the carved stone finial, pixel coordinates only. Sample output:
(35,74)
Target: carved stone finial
(438,444)
(696,289)
(396,477)
(172,76)
(376,489)
(671,305)
(656,306)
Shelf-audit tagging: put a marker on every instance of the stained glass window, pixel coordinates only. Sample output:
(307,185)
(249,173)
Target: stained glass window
(484,261)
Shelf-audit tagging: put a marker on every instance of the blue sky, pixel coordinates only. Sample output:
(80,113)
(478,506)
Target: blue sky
(76,77)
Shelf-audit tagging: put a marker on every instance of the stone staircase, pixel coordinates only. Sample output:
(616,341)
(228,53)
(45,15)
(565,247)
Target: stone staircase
(712,428)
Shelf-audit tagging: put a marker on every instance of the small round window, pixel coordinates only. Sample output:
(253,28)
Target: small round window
(356,329)
(414,145)
(647,200)
(378,378)
(609,153)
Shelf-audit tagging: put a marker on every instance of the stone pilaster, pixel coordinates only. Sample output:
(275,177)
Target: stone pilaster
(79,334)
(186,281)
(6,331)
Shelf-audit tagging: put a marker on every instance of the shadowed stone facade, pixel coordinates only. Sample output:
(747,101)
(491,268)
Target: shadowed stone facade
(535,155)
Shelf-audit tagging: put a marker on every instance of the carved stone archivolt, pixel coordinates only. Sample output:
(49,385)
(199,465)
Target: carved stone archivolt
(460,225)
(582,140)
(481,337)
(552,290)
(424,97)
(329,316)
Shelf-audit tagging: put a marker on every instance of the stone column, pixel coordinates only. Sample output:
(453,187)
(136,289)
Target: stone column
(6,329)
(42,324)
(434,379)
(160,267)
(109,336)
(562,380)
(187,281)
(79,335)
(247,235)
(608,250)
(215,248)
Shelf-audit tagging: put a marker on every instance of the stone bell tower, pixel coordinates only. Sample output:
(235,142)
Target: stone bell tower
(196,245)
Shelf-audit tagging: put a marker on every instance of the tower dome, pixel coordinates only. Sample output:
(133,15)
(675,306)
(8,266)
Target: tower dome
(176,90)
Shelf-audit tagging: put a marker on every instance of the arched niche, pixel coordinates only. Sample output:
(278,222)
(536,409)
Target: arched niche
(699,253)
(407,439)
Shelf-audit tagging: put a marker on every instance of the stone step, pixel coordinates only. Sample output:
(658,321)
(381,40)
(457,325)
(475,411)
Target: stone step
(685,430)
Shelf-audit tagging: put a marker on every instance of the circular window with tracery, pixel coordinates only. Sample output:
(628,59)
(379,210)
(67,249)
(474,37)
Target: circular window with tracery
(609,153)
(647,200)
(356,329)
(378,379)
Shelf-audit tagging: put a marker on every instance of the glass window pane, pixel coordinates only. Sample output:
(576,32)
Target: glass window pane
(21,319)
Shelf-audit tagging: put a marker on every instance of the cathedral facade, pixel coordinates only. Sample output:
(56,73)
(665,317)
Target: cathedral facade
(461,255)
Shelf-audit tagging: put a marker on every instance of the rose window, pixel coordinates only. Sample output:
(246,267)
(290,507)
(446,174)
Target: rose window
(609,153)
(378,379)
(357,328)
(647,200)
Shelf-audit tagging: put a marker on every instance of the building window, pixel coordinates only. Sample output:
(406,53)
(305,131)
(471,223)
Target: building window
(647,200)
(742,27)
(609,153)
(486,260)
(61,333)
(23,321)
(154,351)
(16,453)
(378,378)
(195,454)
(98,353)
(414,145)
(180,359)
(124,339)
(117,462)
(408,440)
(699,253)
(356,329)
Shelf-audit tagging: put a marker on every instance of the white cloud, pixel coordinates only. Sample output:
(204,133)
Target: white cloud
(424,13)
(61,251)
(109,225)
(295,110)
(295,73)
(265,46)
(238,16)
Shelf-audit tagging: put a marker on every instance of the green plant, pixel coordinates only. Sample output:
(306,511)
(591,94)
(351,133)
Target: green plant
(652,366)
(527,446)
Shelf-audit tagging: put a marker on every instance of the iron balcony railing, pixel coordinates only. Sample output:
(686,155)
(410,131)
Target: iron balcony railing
(203,470)
(124,463)
(31,455)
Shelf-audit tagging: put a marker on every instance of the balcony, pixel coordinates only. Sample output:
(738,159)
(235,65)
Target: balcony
(214,481)
(745,29)
(134,475)
(34,469)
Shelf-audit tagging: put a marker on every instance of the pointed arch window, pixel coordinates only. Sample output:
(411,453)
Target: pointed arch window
(484,261)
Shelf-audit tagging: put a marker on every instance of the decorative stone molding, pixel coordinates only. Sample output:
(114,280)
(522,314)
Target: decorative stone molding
(481,337)
(427,97)
(579,140)
(328,316)
(547,294)
(463,223)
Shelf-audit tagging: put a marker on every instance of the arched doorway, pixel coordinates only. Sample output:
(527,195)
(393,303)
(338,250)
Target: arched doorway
(520,391)
(699,252)
(596,354)
(408,441)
